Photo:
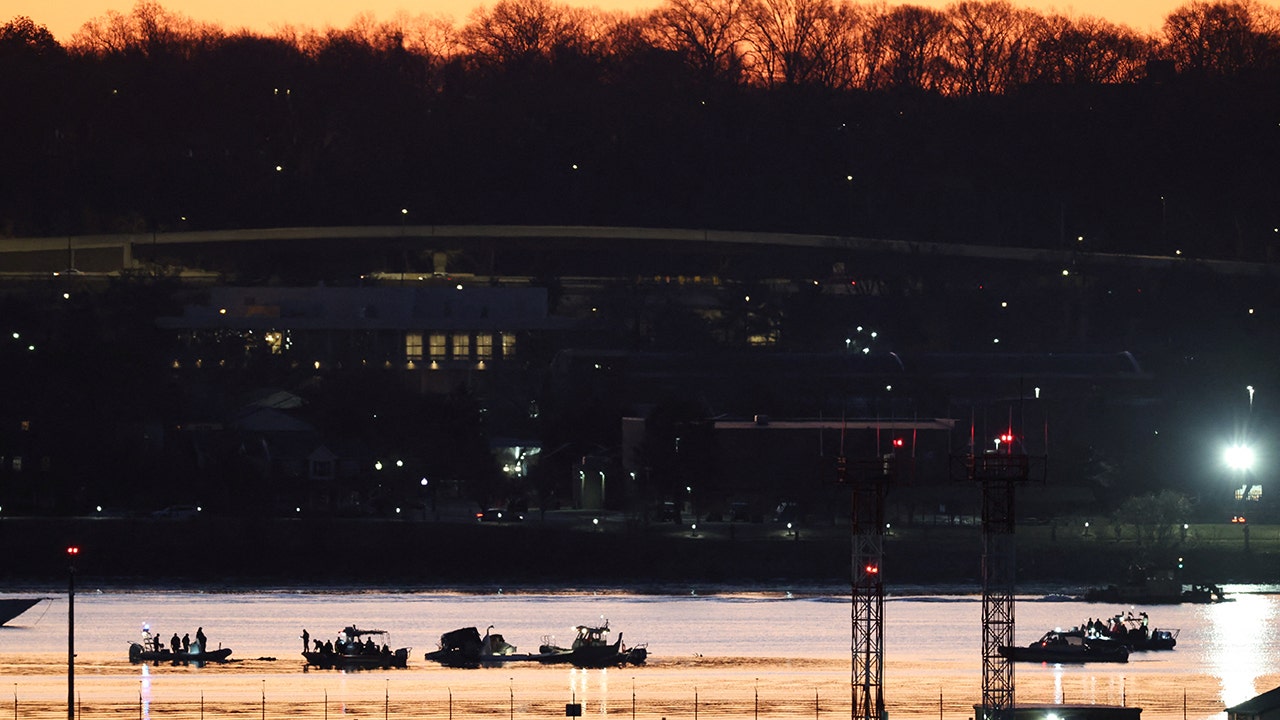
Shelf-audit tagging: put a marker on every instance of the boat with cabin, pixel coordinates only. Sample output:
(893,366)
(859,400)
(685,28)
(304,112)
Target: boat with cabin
(592,648)
(357,649)
(1057,646)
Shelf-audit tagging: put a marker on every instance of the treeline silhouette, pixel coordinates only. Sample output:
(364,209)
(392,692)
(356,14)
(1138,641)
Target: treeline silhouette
(983,122)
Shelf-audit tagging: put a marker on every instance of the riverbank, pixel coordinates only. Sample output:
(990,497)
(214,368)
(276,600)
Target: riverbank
(568,551)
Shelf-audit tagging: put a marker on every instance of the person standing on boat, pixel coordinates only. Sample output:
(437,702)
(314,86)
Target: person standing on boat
(201,640)
(186,642)
(175,642)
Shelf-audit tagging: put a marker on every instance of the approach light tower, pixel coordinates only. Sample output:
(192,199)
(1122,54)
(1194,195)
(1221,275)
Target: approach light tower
(998,471)
(868,481)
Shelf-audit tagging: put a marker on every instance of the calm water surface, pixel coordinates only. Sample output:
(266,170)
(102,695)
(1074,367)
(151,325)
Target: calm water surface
(721,654)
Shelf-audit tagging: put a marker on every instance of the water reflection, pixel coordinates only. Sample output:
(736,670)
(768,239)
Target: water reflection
(1242,637)
(762,654)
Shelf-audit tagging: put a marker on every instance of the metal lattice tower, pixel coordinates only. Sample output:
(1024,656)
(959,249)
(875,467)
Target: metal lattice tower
(868,482)
(998,475)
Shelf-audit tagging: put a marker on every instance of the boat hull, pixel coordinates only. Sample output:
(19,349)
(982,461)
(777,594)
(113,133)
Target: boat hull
(139,655)
(366,661)
(1051,654)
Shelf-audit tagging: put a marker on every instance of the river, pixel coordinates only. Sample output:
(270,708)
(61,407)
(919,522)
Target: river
(719,653)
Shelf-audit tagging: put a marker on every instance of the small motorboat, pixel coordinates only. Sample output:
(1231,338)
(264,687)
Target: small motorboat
(591,648)
(1135,632)
(357,649)
(1057,646)
(465,648)
(152,650)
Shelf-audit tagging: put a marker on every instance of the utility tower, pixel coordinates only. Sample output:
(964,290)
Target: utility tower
(868,480)
(998,471)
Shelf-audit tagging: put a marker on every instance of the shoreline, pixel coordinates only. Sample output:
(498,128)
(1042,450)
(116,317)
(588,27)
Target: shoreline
(477,558)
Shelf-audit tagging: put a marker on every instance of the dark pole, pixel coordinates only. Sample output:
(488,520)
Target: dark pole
(72,552)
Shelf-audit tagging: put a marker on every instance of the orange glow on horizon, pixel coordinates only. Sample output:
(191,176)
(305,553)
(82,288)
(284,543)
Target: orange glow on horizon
(64,18)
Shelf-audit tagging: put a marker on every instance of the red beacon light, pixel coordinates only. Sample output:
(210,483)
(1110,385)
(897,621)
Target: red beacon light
(872,569)
(73,550)
(898,442)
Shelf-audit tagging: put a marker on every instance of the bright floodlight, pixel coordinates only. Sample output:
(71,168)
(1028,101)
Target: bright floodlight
(1239,457)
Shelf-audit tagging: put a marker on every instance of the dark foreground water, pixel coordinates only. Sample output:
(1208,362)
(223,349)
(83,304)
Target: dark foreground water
(718,654)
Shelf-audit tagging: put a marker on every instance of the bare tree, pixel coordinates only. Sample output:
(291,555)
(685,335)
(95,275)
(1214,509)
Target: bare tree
(783,35)
(988,45)
(707,33)
(1220,38)
(904,48)
(23,32)
(1087,51)
(148,29)
(521,31)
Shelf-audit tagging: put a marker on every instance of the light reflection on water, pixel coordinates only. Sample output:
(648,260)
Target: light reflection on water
(760,654)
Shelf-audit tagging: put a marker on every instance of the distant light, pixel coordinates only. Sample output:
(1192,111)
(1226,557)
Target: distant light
(1065,272)
(995,340)
(458,286)
(866,350)
(423,482)
(99,508)
(595,521)
(279,168)
(1177,252)
(1004,304)
(1238,457)
(222,311)
(404,211)
(399,463)
(888,387)
(16,336)
(1250,311)
(377,465)
(1037,393)
(747,298)
(66,296)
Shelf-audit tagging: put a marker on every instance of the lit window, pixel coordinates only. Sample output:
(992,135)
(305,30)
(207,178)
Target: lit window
(436,345)
(508,345)
(460,346)
(413,346)
(275,342)
(484,346)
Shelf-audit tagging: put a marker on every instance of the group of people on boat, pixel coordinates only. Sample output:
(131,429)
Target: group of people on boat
(344,645)
(1120,626)
(151,641)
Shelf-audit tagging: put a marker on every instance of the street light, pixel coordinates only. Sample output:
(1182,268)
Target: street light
(72,552)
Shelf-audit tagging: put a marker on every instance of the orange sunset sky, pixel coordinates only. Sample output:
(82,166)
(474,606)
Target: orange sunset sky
(64,17)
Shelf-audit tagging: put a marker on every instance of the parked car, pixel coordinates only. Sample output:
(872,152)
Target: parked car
(499,515)
(177,512)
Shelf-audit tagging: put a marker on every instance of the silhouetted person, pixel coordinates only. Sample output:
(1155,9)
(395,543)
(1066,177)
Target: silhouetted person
(306,639)
(175,642)
(186,642)
(201,640)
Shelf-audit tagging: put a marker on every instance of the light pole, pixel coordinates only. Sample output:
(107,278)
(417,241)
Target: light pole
(72,552)
(1240,459)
